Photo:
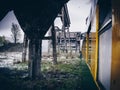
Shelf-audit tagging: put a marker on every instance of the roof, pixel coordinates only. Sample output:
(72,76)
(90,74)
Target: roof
(64,15)
(34,16)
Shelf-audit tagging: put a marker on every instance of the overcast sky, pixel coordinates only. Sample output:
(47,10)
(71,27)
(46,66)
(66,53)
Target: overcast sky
(6,25)
(78,12)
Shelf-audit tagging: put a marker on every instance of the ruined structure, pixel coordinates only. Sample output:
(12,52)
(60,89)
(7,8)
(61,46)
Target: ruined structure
(35,18)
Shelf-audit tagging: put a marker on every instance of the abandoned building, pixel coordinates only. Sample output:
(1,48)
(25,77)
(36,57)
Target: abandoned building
(100,49)
(69,43)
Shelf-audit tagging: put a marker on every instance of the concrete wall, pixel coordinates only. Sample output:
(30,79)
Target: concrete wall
(105,45)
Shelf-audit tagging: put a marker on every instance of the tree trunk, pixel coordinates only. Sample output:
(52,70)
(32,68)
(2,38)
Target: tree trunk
(25,45)
(54,45)
(35,46)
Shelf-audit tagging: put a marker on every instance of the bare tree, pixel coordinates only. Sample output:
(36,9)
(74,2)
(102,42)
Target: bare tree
(15,32)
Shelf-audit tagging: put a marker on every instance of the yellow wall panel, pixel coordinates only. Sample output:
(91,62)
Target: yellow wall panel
(115,69)
(89,51)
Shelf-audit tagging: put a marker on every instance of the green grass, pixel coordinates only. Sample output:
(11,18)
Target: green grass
(71,74)
(81,77)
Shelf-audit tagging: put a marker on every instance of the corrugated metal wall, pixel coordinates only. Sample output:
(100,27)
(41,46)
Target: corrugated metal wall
(105,46)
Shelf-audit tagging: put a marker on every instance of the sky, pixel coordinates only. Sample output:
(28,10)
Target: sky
(6,25)
(78,10)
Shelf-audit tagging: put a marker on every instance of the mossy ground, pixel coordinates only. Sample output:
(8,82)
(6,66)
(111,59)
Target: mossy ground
(71,74)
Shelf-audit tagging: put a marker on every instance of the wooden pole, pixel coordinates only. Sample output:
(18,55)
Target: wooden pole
(87,47)
(63,28)
(35,48)
(58,42)
(25,45)
(69,40)
(54,44)
(76,46)
(97,40)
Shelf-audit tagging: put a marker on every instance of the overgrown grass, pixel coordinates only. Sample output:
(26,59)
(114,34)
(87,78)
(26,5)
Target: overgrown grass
(70,74)
(78,75)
